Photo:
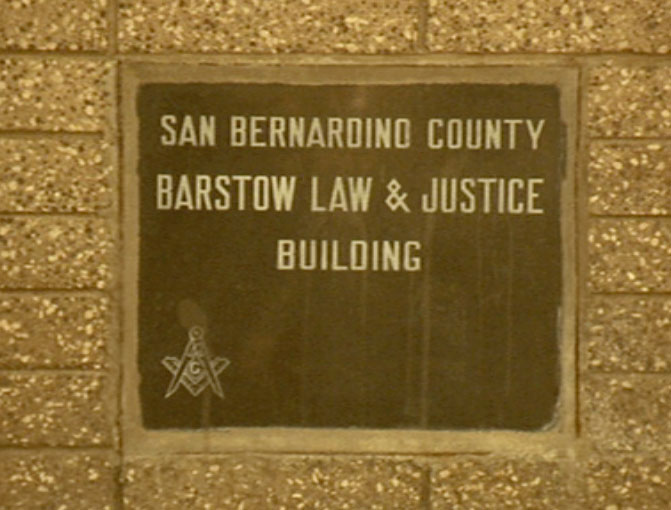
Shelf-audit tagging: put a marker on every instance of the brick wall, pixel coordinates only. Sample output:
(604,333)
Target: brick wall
(60,239)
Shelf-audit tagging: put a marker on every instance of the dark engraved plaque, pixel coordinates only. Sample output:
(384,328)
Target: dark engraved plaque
(338,255)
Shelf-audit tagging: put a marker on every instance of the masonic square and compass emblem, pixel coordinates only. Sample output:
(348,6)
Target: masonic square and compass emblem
(196,369)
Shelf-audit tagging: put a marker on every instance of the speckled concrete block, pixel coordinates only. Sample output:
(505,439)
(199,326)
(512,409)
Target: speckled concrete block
(53,24)
(53,410)
(630,101)
(630,255)
(270,483)
(490,483)
(549,26)
(628,334)
(54,331)
(315,26)
(630,178)
(54,175)
(54,94)
(56,482)
(625,483)
(55,252)
(627,412)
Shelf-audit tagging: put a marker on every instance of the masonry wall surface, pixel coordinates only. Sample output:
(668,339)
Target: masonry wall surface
(61,244)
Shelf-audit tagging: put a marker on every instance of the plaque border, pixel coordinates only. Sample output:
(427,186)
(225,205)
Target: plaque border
(558,436)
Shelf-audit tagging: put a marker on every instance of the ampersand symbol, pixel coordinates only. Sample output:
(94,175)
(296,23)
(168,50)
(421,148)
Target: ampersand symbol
(396,199)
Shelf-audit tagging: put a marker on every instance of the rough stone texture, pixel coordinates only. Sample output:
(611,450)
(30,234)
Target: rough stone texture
(630,255)
(54,175)
(627,412)
(257,26)
(53,24)
(628,334)
(630,101)
(270,483)
(55,252)
(549,26)
(625,483)
(54,331)
(53,410)
(630,178)
(56,482)
(490,483)
(53,94)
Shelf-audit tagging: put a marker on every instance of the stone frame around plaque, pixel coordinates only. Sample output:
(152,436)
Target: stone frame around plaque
(138,439)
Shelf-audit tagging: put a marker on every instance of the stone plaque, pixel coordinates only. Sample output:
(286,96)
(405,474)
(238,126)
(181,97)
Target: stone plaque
(320,253)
